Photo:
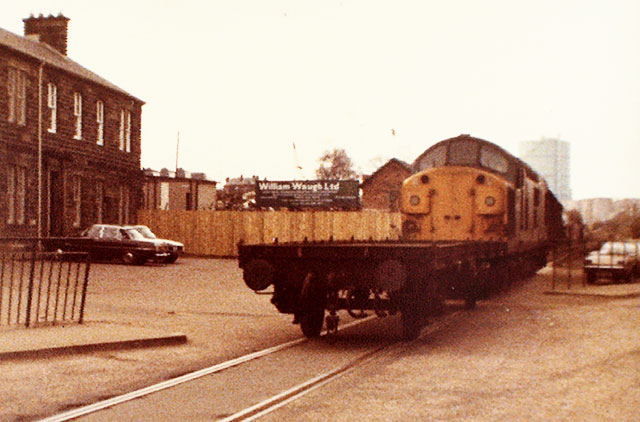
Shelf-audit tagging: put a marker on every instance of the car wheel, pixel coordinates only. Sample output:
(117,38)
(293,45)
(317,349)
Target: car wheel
(129,258)
(591,277)
(171,258)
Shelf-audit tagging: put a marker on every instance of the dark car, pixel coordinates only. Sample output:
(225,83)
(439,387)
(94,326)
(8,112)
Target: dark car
(109,242)
(175,248)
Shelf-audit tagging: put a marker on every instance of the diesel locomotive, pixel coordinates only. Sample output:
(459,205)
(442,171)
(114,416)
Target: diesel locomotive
(474,219)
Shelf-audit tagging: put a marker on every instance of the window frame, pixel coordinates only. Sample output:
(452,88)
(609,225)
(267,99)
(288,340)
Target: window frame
(17,95)
(77,112)
(16,194)
(99,199)
(76,193)
(100,123)
(125,130)
(124,203)
(52,104)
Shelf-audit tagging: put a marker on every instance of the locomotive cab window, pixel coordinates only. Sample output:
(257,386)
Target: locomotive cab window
(493,159)
(463,153)
(434,158)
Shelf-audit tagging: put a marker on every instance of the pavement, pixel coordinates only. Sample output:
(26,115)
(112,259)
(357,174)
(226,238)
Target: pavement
(73,338)
(602,288)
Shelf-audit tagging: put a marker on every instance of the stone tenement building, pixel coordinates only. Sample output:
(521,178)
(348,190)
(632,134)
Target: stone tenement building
(69,139)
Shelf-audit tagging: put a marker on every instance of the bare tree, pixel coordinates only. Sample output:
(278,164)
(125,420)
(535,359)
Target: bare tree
(335,165)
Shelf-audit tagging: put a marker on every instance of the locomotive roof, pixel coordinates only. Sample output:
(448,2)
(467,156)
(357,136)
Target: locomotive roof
(515,160)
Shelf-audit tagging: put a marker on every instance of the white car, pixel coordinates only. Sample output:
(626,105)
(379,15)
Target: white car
(615,260)
(175,248)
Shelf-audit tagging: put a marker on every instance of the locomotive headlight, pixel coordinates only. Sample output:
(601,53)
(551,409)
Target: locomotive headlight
(489,201)
(415,200)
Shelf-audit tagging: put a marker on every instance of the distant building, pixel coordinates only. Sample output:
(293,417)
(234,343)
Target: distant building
(69,139)
(550,158)
(381,190)
(238,193)
(603,209)
(181,191)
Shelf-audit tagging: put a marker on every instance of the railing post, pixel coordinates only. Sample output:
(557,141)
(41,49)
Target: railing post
(553,264)
(30,288)
(584,255)
(84,289)
(569,266)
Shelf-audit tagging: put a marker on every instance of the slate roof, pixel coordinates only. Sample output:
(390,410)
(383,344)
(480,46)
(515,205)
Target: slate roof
(43,52)
(388,163)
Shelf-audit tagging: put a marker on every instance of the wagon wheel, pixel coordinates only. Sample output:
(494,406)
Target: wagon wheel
(412,317)
(473,280)
(411,324)
(470,299)
(312,303)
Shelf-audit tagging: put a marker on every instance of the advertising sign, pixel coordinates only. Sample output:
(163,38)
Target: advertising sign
(308,194)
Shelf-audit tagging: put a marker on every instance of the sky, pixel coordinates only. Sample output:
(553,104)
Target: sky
(262,87)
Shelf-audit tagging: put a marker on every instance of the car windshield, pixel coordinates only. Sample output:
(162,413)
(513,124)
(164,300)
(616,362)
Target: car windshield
(146,232)
(619,248)
(134,234)
(93,231)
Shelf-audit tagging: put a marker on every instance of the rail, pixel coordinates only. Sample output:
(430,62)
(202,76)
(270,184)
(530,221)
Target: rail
(41,288)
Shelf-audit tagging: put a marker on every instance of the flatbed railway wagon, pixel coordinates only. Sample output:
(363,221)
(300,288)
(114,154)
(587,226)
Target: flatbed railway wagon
(474,217)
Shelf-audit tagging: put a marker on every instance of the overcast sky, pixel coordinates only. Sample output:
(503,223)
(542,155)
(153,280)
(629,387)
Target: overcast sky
(243,80)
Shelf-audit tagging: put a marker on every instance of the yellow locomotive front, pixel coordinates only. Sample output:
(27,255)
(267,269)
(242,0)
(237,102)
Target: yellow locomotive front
(468,189)
(455,203)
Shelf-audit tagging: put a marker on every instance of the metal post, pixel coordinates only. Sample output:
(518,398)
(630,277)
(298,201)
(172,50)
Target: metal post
(553,266)
(569,266)
(84,289)
(584,254)
(30,288)
(20,285)
(2,284)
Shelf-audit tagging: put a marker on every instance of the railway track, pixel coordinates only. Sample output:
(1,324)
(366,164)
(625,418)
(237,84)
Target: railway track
(259,407)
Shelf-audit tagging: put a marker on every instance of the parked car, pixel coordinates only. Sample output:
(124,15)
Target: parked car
(615,260)
(175,248)
(108,242)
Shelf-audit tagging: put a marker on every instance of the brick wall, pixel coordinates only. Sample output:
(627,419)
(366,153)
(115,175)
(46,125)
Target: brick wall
(382,189)
(64,157)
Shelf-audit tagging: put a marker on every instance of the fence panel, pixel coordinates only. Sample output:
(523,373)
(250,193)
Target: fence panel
(42,287)
(217,233)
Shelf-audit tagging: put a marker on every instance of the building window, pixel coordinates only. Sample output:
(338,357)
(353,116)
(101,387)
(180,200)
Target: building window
(100,123)
(99,201)
(16,187)
(52,103)
(17,90)
(123,214)
(125,130)
(76,192)
(77,112)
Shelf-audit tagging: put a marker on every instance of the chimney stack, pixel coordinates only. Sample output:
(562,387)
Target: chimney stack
(51,30)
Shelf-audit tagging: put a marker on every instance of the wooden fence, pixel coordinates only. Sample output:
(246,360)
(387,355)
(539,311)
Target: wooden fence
(217,233)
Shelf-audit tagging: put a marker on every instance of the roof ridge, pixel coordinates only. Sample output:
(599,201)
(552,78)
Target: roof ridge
(46,53)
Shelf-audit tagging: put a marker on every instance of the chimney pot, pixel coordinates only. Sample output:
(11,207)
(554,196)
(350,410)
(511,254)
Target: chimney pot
(51,30)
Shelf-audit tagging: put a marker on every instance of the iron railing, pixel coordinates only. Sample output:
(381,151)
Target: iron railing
(41,288)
